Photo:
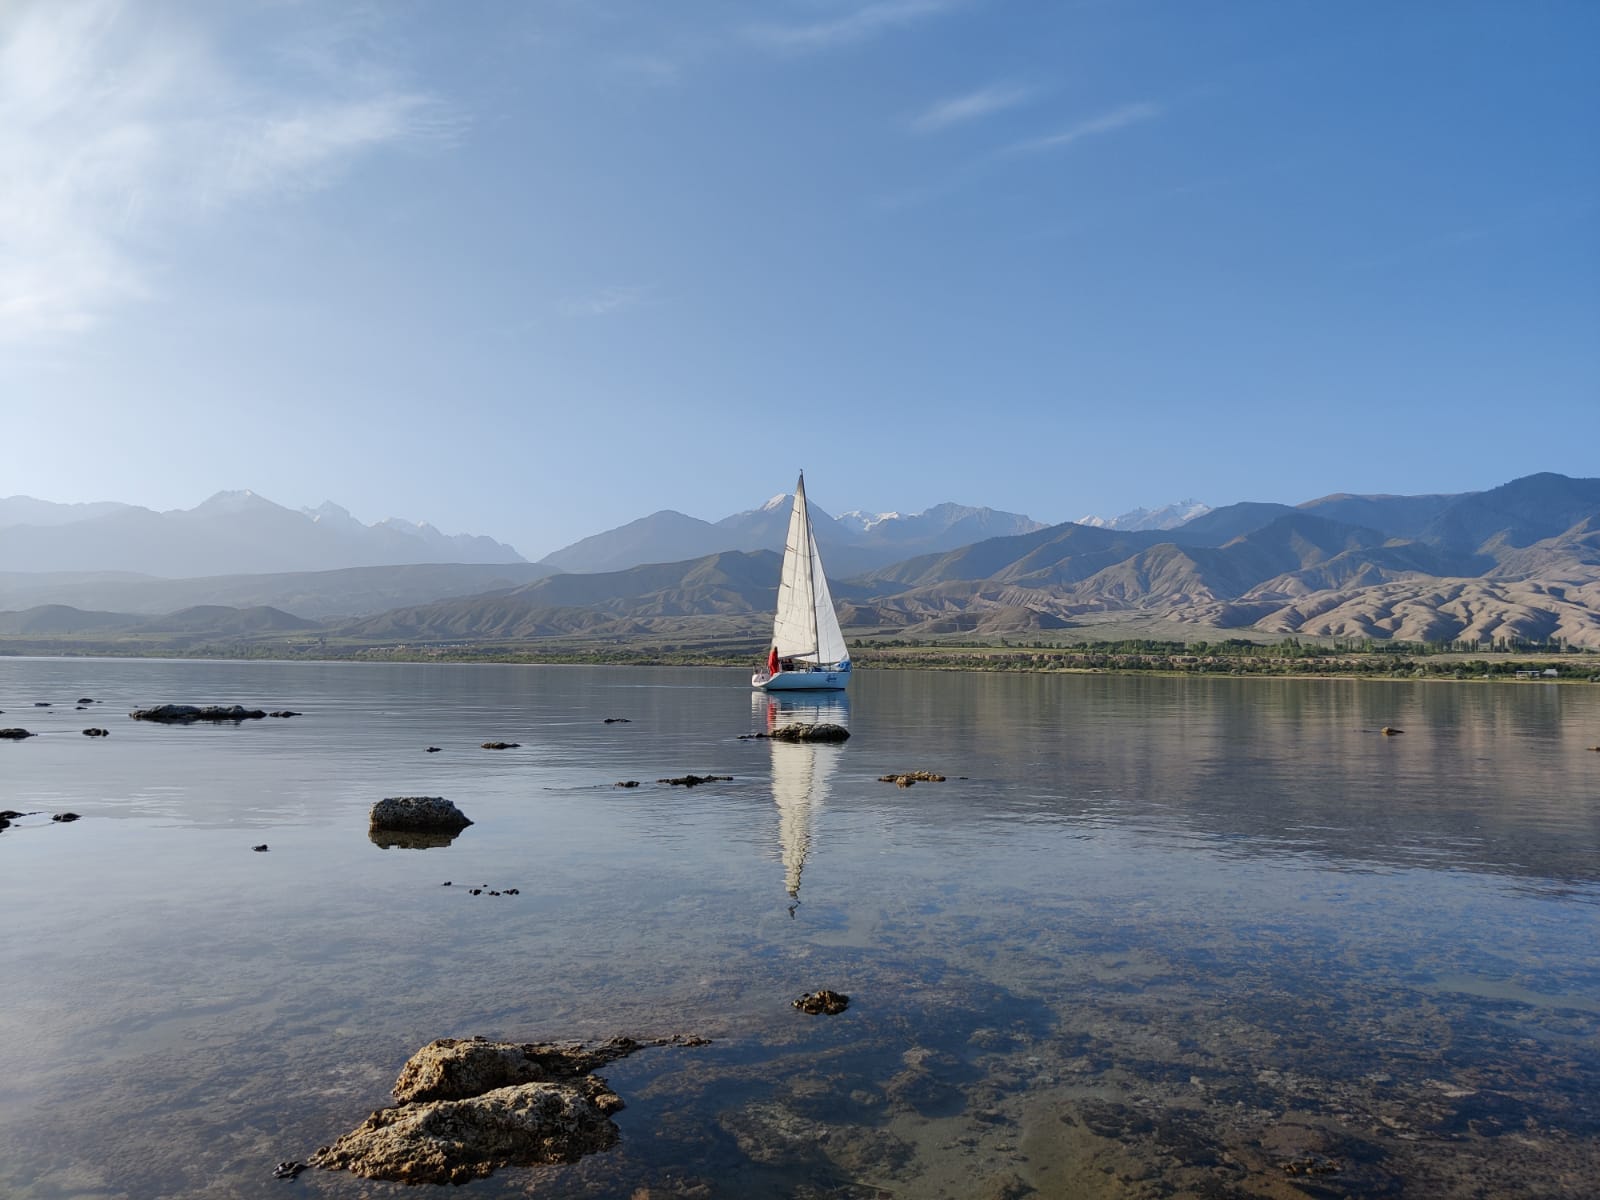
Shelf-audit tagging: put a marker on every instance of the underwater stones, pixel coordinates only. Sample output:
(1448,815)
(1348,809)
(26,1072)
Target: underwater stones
(185,714)
(288,1169)
(501,745)
(907,778)
(823,732)
(626,783)
(469,1106)
(417,814)
(618,721)
(97,733)
(15,735)
(433,749)
(85,699)
(823,1003)
(696,780)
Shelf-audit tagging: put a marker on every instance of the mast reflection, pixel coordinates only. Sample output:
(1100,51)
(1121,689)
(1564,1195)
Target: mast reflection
(801,772)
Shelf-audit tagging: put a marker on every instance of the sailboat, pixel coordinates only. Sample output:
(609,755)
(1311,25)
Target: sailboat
(808,651)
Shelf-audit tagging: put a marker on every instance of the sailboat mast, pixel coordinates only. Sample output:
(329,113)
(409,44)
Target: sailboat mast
(805,524)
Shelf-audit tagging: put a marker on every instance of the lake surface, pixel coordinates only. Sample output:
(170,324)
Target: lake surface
(1150,937)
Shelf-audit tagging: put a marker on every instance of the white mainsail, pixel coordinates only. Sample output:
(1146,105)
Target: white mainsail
(806,627)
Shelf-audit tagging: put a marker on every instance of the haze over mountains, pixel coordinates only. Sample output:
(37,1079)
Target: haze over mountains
(235,532)
(1519,562)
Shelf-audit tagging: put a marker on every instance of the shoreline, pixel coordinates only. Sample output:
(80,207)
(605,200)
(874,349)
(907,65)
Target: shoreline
(1489,667)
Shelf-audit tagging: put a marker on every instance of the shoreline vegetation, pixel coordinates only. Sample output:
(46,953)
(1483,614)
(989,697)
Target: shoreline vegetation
(1288,657)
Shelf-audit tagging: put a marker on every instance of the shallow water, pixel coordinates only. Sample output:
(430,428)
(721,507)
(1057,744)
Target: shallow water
(1150,937)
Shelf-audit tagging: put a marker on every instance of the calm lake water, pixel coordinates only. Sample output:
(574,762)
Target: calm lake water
(1151,936)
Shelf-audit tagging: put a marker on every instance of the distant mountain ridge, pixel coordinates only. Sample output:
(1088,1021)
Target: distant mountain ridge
(1519,562)
(1516,562)
(850,544)
(235,532)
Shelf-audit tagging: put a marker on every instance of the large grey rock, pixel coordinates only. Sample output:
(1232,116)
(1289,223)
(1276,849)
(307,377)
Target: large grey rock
(453,1141)
(417,814)
(823,732)
(468,1106)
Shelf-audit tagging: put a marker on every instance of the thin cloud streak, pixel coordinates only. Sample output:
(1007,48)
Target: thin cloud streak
(117,130)
(606,301)
(973,106)
(858,26)
(1108,122)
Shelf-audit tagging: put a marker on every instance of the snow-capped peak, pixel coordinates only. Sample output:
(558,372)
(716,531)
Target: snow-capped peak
(864,521)
(781,500)
(1168,516)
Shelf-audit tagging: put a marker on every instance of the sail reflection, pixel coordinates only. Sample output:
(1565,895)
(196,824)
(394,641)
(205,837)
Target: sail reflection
(801,772)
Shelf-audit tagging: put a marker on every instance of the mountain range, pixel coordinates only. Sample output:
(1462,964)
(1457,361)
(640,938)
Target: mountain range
(1519,562)
(851,543)
(235,532)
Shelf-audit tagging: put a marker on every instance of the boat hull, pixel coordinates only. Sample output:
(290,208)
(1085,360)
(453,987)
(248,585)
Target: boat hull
(802,681)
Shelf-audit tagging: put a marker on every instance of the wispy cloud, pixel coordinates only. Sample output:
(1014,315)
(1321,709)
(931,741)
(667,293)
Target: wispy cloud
(121,124)
(973,106)
(606,301)
(858,25)
(1106,122)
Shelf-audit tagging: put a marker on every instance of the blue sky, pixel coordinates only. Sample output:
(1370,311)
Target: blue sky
(535,269)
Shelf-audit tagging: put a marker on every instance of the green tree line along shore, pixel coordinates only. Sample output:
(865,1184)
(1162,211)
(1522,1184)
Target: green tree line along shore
(1368,658)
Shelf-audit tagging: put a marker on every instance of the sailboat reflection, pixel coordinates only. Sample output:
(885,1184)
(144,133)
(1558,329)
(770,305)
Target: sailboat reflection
(801,771)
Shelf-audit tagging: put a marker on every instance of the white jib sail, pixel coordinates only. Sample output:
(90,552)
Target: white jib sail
(806,627)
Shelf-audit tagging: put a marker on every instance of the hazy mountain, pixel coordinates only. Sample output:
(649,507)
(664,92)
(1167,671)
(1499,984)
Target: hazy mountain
(1168,516)
(25,510)
(350,592)
(232,533)
(728,583)
(209,620)
(850,545)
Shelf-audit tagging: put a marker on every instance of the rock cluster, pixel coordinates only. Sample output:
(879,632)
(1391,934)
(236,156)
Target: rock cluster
(185,714)
(417,814)
(468,1106)
(696,780)
(907,778)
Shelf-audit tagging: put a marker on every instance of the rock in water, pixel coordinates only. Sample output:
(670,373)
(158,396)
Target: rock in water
(15,735)
(810,733)
(468,1106)
(453,1141)
(184,714)
(418,814)
(823,1003)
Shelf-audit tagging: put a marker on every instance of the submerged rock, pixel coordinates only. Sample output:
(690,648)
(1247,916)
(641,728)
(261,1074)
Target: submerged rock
(97,733)
(824,1003)
(85,700)
(468,1106)
(907,778)
(15,735)
(285,712)
(1390,731)
(501,745)
(696,780)
(184,714)
(65,817)
(823,732)
(417,814)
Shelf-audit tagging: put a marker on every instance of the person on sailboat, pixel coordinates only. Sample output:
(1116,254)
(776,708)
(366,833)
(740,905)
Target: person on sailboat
(772,661)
